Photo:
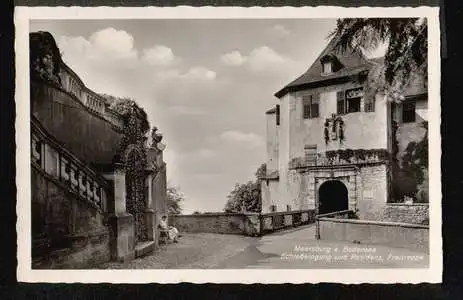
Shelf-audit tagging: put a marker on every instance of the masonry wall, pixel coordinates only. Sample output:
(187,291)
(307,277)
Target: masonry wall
(87,135)
(414,237)
(67,232)
(224,223)
(406,213)
(373,191)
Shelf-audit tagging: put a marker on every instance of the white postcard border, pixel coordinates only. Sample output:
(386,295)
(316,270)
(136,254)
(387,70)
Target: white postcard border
(23,15)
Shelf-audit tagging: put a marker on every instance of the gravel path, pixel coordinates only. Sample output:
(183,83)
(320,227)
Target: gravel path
(198,250)
(291,249)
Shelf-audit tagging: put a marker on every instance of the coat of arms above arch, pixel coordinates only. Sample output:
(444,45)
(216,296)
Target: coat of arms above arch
(334,129)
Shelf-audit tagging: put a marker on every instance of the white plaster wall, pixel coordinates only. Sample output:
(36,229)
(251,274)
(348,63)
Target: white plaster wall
(284,145)
(272,143)
(363,130)
(270,195)
(421,110)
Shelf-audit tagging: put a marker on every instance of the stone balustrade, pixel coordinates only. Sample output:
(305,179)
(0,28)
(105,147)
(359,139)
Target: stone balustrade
(72,84)
(341,157)
(274,221)
(245,223)
(62,166)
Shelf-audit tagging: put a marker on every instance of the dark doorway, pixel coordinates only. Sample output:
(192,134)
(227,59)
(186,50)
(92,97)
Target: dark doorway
(332,196)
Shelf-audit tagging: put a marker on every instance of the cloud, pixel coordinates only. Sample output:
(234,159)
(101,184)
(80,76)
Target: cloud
(117,42)
(233,58)
(280,30)
(159,55)
(194,73)
(106,44)
(259,59)
(200,73)
(263,57)
(234,136)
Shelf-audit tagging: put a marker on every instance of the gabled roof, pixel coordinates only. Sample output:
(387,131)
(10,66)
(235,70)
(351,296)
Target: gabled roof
(271,111)
(352,63)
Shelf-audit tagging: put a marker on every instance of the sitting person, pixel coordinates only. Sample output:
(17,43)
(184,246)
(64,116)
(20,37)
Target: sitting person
(172,231)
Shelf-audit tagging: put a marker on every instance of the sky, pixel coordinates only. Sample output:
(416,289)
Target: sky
(206,84)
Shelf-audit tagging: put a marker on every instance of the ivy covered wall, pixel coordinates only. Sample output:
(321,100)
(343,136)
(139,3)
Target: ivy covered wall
(409,166)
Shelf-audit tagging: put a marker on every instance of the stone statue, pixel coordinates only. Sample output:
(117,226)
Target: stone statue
(155,137)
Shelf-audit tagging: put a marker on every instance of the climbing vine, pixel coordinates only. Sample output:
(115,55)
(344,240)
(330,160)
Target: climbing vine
(357,155)
(133,146)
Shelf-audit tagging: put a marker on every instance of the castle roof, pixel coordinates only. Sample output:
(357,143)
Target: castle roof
(271,111)
(346,65)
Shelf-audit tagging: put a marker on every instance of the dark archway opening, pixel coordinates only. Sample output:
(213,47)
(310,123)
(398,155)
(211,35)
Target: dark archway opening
(332,197)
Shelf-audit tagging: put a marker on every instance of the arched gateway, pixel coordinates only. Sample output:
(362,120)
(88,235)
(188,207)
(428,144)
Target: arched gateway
(332,196)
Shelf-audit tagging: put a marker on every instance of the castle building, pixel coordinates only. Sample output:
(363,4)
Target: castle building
(91,199)
(331,139)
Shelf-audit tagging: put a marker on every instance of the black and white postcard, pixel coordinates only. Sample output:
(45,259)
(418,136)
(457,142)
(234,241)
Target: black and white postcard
(228,145)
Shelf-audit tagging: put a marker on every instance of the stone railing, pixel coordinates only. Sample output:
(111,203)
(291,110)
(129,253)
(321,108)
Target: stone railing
(274,221)
(60,165)
(222,223)
(343,214)
(72,84)
(341,157)
(393,234)
(245,223)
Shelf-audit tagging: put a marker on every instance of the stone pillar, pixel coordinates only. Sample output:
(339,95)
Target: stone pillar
(120,222)
(150,217)
(317,206)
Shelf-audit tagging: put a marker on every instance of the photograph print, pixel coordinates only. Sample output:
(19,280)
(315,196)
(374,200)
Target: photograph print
(266,143)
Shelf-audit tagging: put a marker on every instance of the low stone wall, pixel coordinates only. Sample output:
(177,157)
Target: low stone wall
(417,213)
(84,251)
(67,230)
(225,223)
(411,236)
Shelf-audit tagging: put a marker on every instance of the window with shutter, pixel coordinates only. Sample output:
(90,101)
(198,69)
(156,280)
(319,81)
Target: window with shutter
(310,106)
(310,154)
(408,112)
(314,106)
(273,208)
(277,114)
(340,96)
(288,207)
(306,106)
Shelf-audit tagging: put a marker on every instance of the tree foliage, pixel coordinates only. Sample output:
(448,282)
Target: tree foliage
(246,197)
(261,171)
(174,200)
(410,176)
(406,40)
